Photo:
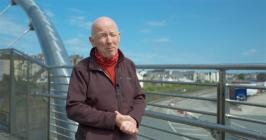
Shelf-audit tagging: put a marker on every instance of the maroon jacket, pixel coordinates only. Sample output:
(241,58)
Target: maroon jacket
(92,99)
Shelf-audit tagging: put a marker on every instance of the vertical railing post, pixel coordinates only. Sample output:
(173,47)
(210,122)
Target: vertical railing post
(227,107)
(12,97)
(49,103)
(27,101)
(221,103)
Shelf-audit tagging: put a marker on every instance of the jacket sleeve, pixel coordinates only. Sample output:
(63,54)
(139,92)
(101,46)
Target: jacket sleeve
(77,109)
(139,100)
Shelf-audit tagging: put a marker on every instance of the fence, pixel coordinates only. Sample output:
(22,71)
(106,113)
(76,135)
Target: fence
(193,110)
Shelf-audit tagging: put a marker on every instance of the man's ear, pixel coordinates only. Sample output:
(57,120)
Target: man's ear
(91,41)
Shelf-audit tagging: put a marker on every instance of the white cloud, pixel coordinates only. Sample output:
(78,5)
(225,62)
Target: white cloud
(28,43)
(78,46)
(250,52)
(161,40)
(10,27)
(157,23)
(157,41)
(145,31)
(75,11)
(28,47)
(49,13)
(75,42)
(11,30)
(142,57)
(80,21)
(4,43)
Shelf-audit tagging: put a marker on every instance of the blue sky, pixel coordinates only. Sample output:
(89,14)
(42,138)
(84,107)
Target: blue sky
(154,31)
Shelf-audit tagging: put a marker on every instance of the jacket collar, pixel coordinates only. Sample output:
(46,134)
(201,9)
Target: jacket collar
(92,61)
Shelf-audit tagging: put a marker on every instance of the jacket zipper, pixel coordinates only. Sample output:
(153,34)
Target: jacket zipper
(117,90)
(118,97)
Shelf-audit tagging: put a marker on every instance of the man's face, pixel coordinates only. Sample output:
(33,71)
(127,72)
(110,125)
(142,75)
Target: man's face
(106,39)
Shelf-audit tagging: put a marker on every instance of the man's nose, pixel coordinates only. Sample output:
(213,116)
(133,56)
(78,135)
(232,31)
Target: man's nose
(109,39)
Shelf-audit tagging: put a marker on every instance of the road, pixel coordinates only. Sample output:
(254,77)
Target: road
(245,111)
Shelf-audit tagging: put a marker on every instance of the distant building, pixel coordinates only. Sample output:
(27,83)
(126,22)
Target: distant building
(170,75)
(251,77)
(206,76)
(75,59)
(261,77)
(182,76)
(157,74)
(140,75)
(39,57)
(4,68)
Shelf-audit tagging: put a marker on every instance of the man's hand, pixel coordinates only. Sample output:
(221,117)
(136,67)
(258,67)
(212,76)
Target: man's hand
(126,123)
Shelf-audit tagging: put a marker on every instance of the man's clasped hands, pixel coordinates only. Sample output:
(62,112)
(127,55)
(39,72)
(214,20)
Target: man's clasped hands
(126,123)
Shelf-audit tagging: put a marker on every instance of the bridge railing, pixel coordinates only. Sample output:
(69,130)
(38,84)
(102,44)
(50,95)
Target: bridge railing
(222,128)
(187,111)
(23,115)
(218,128)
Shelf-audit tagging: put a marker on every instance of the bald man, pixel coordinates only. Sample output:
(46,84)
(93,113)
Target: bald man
(104,94)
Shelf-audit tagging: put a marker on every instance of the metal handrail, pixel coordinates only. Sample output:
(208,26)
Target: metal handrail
(178,82)
(57,105)
(206,66)
(245,86)
(183,109)
(245,103)
(237,117)
(57,112)
(61,66)
(25,56)
(57,91)
(50,95)
(58,83)
(182,96)
(204,124)
(59,76)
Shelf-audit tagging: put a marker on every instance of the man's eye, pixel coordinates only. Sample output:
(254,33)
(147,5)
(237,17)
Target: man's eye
(102,35)
(113,34)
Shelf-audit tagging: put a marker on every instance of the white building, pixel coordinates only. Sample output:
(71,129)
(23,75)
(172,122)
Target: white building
(4,68)
(206,76)
(140,75)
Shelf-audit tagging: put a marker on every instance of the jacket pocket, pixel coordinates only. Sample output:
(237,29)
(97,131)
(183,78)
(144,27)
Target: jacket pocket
(126,108)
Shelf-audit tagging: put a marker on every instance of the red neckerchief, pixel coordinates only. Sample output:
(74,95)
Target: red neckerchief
(108,65)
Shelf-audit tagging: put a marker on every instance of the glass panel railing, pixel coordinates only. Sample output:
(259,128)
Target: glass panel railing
(20,88)
(23,114)
(38,106)
(4,91)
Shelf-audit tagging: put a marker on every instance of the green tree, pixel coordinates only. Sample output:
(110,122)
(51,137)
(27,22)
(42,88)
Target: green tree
(241,76)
